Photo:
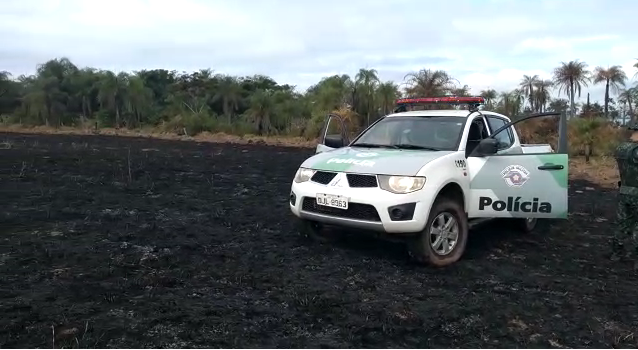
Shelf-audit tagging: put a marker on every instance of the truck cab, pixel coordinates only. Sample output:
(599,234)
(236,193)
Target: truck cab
(432,174)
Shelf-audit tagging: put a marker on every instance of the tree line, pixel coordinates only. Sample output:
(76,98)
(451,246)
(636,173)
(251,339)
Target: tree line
(62,94)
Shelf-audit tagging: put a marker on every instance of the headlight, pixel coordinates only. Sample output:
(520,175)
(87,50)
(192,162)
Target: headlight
(303,175)
(401,184)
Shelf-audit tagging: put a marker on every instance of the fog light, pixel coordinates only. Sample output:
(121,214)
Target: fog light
(396,213)
(402,212)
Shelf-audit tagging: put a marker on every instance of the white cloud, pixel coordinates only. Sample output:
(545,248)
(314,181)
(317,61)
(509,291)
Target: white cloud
(554,43)
(485,44)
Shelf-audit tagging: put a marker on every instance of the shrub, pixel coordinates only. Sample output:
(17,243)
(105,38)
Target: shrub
(190,124)
(586,136)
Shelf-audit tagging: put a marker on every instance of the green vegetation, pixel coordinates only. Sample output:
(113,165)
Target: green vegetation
(63,94)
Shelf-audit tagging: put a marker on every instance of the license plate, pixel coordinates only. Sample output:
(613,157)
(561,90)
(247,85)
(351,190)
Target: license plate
(331,200)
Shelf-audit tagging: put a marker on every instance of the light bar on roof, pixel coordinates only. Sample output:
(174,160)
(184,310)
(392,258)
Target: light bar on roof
(442,99)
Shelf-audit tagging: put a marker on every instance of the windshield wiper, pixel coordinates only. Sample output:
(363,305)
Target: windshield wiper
(372,145)
(410,146)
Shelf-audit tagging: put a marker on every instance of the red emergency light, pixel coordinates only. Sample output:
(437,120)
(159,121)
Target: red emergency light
(473,102)
(442,99)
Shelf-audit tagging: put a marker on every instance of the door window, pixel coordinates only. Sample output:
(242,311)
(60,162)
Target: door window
(505,138)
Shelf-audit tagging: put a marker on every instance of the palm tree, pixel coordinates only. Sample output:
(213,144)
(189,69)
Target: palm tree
(34,99)
(527,88)
(367,80)
(4,80)
(571,77)
(332,93)
(628,97)
(388,92)
(140,100)
(229,92)
(429,83)
(542,94)
(84,83)
(613,77)
(558,105)
(112,93)
(261,106)
(510,103)
(461,91)
(586,134)
(489,95)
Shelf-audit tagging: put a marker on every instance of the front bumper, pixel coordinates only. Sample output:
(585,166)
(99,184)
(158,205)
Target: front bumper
(368,207)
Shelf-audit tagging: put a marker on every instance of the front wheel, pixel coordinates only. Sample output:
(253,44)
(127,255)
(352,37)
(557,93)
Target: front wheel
(444,238)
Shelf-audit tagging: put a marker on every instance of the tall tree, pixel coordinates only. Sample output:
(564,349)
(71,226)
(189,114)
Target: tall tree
(542,94)
(461,91)
(388,93)
(261,107)
(629,97)
(229,92)
(527,87)
(139,102)
(571,77)
(366,81)
(614,77)
(429,83)
(489,95)
(112,91)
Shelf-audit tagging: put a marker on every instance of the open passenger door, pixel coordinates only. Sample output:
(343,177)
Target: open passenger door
(523,185)
(334,134)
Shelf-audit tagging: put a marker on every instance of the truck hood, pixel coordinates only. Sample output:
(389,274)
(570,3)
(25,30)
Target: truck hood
(373,160)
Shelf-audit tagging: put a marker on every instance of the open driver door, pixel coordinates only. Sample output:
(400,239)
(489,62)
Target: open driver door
(334,134)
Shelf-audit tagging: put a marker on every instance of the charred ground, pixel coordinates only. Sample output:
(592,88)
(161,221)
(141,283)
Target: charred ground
(123,242)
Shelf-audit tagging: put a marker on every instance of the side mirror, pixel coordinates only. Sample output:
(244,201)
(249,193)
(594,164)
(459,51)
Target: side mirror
(333,141)
(487,147)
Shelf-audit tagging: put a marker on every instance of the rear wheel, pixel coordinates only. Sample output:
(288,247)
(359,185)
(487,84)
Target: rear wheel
(444,238)
(525,225)
(316,231)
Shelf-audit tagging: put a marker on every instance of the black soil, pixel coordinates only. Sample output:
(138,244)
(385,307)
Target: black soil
(129,243)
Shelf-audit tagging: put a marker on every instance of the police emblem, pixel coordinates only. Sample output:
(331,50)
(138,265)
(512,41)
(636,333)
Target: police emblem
(515,175)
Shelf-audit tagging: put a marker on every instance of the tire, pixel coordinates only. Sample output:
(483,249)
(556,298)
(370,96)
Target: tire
(316,232)
(524,225)
(421,249)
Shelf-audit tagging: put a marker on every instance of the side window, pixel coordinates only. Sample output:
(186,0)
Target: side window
(477,132)
(505,137)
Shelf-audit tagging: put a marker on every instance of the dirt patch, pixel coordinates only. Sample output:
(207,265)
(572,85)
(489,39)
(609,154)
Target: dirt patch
(600,170)
(140,242)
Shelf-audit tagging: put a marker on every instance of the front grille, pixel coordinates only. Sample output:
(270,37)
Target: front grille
(323,177)
(356,180)
(356,211)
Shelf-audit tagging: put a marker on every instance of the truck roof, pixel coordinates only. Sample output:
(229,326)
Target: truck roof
(462,113)
(434,112)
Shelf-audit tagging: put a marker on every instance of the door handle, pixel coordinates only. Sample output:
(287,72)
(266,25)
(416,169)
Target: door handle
(551,167)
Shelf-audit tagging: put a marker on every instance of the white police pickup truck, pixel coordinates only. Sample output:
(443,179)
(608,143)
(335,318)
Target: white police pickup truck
(427,176)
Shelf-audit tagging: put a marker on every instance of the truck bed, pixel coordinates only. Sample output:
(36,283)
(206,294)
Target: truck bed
(537,148)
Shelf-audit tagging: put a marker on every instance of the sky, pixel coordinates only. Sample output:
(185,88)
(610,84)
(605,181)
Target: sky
(482,43)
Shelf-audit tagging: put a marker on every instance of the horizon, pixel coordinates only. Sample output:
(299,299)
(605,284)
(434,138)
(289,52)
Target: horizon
(492,54)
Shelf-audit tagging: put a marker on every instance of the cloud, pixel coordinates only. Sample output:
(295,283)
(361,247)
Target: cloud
(482,43)
(552,43)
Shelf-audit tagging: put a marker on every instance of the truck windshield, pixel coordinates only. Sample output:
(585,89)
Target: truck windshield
(413,132)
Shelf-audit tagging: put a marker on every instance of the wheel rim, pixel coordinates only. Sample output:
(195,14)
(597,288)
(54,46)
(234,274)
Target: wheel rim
(444,233)
(530,223)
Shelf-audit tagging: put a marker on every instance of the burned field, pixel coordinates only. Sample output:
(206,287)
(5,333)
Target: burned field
(122,242)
